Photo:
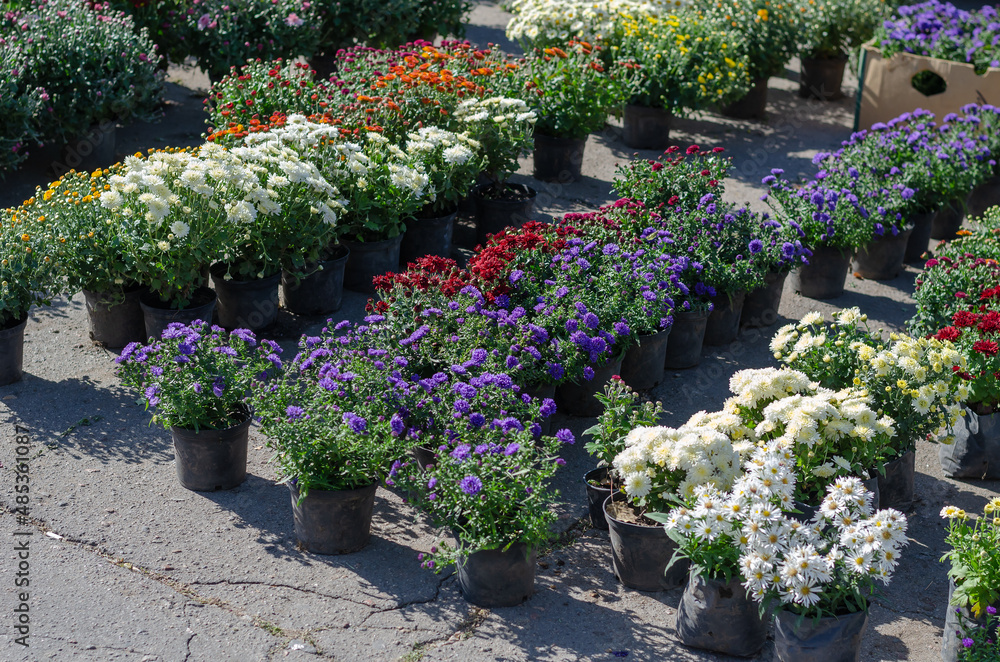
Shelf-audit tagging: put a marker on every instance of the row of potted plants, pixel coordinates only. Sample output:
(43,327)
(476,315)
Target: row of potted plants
(61,87)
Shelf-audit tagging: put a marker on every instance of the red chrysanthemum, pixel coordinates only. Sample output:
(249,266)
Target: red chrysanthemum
(986,347)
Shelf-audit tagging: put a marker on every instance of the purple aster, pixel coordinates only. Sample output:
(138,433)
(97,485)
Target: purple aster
(591,320)
(196,387)
(294,412)
(396,424)
(156,371)
(152,395)
(548,407)
(228,351)
(968,642)
(356,423)
(219,387)
(462,453)
(565,436)
(477,420)
(186,348)
(245,335)
(756,246)
(511,448)
(588,373)
(471,485)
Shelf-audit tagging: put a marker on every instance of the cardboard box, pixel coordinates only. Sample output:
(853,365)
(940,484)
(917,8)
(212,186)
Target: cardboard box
(886,90)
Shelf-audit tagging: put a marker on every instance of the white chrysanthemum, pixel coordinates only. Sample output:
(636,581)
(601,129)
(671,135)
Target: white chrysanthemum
(457,154)
(811,319)
(163,246)
(180,229)
(637,485)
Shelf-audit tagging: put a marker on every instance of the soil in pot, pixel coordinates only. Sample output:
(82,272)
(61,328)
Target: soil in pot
(646,128)
(579,399)
(830,639)
(920,237)
(598,490)
(512,206)
(882,259)
(12,351)
(752,106)
(246,304)
(822,79)
(720,617)
(333,521)
(687,336)
(641,549)
(368,259)
(158,314)
(497,578)
(824,276)
(558,159)
(319,290)
(724,321)
(115,318)
(760,308)
(427,235)
(895,488)
(211,460)
(642,367)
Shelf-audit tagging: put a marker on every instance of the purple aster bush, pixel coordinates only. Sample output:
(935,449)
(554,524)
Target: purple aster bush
(490,486)
(198,376)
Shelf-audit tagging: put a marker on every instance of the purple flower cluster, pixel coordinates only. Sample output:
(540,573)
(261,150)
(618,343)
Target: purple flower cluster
(941,30)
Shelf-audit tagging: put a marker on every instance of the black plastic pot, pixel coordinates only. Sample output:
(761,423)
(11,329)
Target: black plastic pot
(540,392)
(427,236)
(975,453)
(210,460)
(368,259)
(494,215)
(158,315)
(558,159)
(642,367)
(333,521)
(822,79)
(320,289)
(920,237)
(246,304)
(983,197)
(752,105)
(895,488)
(12,352)
(824,276)
(578,399)
(639,554)
(596,496)
(882,259)
(760,308)
(423,456)
(646,128)
(720,617)
(948,220)
(687,336)
(724,321)
(88,151)
(830,639)
(497,578)
(115,319)
(951,639)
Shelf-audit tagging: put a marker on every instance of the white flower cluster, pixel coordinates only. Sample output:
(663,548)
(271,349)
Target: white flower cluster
(503,111)
(816,422)
(844,540)
(667,463)
(545,21)
(457,148)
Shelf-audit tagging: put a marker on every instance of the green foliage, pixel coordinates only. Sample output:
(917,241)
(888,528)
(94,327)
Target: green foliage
(622,413)
(768,30)
(974,559)
(830,29)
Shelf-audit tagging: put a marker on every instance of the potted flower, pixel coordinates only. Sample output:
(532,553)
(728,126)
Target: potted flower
(622,413)
(196,378)
(723,240)
(819,577)
(658,468)
(170,206)
(227,34)
(28,276)
(709,70)
(452,162)
(947,285)
(333,421)
(975,334)
(674,177)
(716,612)
(829,30)
(504,128)
(288,214)
(490,485)
(20,104)
(974,570)
(767,32)
(572,94)
(92,256)
(781,250)
(913,381)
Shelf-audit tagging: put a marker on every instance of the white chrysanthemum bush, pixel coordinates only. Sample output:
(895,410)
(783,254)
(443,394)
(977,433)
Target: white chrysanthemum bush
(503,127)
(913,381)
(541,23)
(182,210)
(381,184)
(825,566)
(831,434)
(661,466)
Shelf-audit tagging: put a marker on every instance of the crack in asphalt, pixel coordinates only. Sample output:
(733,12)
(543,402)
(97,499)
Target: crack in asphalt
(417,601)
